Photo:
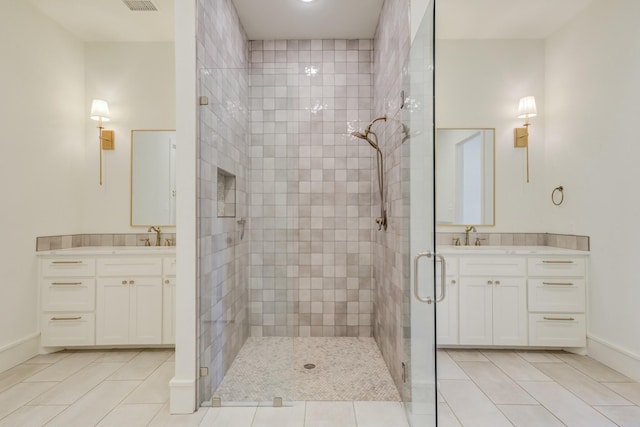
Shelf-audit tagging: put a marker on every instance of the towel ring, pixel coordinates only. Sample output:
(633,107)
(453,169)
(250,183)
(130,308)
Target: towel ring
(560,190)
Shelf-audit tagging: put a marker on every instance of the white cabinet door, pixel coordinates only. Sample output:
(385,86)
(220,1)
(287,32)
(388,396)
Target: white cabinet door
(129,311)
(510,315)
(447,312)
(112,311)
(145,315)
(476,318)
(169,311)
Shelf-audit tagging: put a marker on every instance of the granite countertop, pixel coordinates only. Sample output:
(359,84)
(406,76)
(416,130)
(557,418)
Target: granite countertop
(508,250)
(111,250)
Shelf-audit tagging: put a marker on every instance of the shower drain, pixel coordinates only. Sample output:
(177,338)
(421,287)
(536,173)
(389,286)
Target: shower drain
(309,366)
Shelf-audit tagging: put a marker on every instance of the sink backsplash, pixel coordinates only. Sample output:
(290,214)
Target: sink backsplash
(565,241)
(46,243)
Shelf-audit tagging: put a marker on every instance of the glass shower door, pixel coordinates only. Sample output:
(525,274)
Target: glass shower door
(245,337)
(419,391)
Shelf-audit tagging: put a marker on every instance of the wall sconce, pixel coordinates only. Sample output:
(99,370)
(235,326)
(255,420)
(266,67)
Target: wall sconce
(526,109)
(100,113)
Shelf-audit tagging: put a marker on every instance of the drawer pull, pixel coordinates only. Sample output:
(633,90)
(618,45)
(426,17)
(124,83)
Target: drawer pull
(559,318)
(557,262)
(67,318)
(558,283)
(66,262)
(66,283)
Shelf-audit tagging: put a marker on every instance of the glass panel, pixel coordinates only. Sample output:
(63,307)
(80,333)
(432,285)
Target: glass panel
(244,294)
(419,391)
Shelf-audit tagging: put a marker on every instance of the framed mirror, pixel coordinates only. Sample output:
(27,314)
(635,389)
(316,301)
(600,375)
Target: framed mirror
(153,177)
(465,176)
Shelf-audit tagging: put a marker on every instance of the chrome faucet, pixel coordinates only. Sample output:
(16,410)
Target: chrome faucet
(467,229)
(155,228)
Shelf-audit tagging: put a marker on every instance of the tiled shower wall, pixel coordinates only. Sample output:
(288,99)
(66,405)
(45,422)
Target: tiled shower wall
(311,213)
(223,255)
(392,43)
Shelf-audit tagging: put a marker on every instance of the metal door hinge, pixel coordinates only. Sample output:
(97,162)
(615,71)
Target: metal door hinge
(204,100)
(404,372)
(204,372)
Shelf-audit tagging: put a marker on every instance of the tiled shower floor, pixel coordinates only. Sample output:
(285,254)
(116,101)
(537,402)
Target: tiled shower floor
(350,369)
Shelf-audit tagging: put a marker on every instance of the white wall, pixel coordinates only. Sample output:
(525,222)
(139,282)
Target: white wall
(183,384)
(593,149)
(41,160)
(138,81)
(479,84)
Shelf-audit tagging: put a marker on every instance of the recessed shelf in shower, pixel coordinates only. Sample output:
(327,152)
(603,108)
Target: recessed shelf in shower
(226,194)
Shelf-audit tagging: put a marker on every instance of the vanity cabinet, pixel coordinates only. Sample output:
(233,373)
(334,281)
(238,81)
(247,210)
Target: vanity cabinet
(107,298)
(129,301)
(169,301)
(67,288)
(493,301)
(513,298)
(557,301)
(447,309)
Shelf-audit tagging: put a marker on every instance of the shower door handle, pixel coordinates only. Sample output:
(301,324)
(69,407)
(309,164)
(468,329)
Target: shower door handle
(443,276)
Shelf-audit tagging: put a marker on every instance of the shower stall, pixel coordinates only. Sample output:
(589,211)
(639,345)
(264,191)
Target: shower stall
(306,237)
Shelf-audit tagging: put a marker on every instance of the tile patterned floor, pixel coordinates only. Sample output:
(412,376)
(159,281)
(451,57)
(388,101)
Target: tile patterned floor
(483,388)
(477,388)
(349,369)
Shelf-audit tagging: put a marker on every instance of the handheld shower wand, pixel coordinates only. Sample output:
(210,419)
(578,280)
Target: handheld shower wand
(382,219)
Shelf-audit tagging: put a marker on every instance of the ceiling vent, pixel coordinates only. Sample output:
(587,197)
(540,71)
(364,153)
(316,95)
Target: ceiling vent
(140,5)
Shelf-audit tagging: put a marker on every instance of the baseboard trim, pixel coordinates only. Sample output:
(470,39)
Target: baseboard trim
(616,357)
(182,399)
(14,353)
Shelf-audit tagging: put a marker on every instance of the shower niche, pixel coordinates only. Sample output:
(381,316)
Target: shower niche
(226,194)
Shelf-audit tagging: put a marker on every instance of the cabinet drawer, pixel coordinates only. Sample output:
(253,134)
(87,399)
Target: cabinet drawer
(557,267)
(169,266)
(553,295)
(68,294)
(68,267)
(129,266)
(557,330)
(491,267)
(68,329)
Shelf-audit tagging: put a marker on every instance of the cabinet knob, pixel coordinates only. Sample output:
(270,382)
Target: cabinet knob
(497,282)
(166,281)
(124,282)
(490,282)
(453,282)
(132,282)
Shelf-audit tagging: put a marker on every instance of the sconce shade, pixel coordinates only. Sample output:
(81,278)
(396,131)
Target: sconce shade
(527,107)
(100,110)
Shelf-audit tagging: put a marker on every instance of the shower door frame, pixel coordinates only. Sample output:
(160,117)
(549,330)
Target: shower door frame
(419,392)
